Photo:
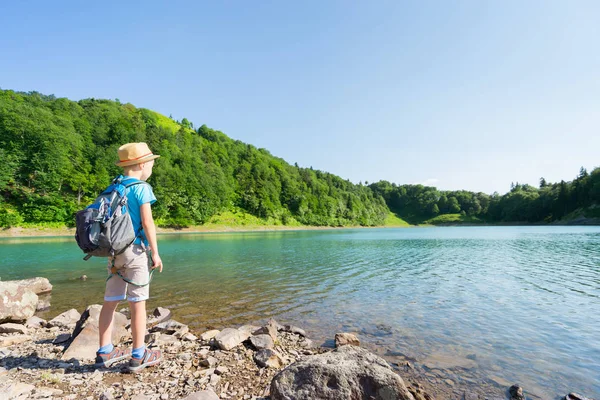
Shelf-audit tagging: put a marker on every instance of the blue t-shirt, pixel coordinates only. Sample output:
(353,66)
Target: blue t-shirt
(136,196)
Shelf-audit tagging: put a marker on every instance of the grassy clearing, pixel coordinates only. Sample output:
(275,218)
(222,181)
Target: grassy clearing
(394,220)
(167,123)
(453,219)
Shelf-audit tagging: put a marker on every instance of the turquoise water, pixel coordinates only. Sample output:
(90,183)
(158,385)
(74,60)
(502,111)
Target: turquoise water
(522,303)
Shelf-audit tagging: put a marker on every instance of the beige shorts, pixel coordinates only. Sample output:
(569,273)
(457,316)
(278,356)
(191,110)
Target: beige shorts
(134,265)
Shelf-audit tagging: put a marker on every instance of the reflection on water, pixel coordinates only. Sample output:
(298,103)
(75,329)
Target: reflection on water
(515,303)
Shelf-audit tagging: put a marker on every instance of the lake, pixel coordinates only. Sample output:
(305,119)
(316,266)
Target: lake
(519,304)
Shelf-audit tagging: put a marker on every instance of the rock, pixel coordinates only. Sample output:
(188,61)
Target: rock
(85,334)
(220,370)
(516,392)
(204,352)
(343,339)
(202,395)
(45,392)
(294,329)
(275,324)
(268,358)
(160,314)
(229,338)
(206,336)
(16,390)
(209,362)
(249,329)
(141,396)
(62,338)
(181,332)
(418,392)
(68,319)
(269,329)
(36,285)
(35,322)
(188,337)
(108,395)
(214,379)
(262,342)
(17,302)
(6,341)
(166,340)
(170,327)
(349,372)
(13,328)
(575,396)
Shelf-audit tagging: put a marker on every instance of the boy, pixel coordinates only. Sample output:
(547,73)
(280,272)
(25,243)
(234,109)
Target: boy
(133,264)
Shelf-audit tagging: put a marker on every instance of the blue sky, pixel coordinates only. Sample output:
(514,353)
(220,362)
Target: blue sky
(456,94)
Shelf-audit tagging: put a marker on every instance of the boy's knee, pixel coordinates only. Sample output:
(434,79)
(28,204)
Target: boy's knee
(111,303)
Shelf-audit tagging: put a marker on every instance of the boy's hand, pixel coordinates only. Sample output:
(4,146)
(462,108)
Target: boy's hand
(157,262)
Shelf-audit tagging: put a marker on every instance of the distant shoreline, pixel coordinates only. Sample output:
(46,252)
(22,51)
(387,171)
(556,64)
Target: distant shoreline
(47,232)
(19,232)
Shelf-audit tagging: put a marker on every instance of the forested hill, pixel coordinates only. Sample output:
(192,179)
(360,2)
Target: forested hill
(56,155)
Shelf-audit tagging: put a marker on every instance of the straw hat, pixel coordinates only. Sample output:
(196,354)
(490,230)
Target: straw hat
(134,153)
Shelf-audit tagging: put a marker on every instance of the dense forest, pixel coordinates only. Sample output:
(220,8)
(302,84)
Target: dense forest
(523,203)
(56,155)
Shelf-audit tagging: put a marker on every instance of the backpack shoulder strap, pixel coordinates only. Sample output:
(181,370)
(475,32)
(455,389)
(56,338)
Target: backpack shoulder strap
(133,182)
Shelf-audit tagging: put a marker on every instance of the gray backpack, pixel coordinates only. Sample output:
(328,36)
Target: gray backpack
(104,228)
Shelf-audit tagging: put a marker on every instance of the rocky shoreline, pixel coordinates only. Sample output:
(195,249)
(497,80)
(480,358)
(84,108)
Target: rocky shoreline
(54,359)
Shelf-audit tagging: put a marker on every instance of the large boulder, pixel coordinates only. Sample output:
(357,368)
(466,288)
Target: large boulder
(347,373)
(85,335)
(36,285)
(17,302)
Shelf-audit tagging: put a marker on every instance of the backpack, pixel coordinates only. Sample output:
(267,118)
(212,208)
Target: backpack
(104,228)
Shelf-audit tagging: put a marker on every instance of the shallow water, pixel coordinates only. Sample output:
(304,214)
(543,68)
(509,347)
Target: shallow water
(520,304)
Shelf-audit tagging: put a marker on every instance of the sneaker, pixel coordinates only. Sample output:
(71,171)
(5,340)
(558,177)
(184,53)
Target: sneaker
(106,360)
(150,358)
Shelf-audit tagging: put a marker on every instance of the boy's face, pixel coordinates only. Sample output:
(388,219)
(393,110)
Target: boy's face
(146,170)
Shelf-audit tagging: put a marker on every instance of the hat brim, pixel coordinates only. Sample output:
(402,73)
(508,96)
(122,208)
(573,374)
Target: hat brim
(134,162)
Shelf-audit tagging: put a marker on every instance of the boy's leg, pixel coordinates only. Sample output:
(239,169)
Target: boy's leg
(106,321)
(141,357)
(107,354)
(138,322)
(115,291)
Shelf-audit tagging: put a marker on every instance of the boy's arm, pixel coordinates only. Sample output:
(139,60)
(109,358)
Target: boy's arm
(150,231)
